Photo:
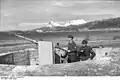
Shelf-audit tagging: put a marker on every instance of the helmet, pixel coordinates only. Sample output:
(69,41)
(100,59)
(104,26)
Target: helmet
(84,42)
(70,36)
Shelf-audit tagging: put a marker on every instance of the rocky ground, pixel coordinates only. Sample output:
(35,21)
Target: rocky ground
(106,66)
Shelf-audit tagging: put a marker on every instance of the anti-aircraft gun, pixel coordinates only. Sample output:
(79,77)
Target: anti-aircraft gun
(60,57)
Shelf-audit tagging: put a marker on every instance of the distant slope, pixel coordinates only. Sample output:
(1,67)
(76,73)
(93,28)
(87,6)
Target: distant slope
(102,24)
(98,24)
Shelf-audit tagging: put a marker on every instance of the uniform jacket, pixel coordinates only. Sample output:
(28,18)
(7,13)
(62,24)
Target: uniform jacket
(72,46)
(72,53)
(86,52)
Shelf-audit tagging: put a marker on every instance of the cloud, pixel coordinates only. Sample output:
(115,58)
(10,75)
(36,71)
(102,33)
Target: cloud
(27,24)
(63,4)
(7,14)
(22,13)
(93,13)
(58,4)
(87,2)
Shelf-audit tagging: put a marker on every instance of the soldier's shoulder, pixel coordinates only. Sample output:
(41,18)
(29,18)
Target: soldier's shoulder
(89,47)
(73,41)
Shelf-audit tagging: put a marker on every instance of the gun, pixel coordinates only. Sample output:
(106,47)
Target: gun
(61,49)
(31,40)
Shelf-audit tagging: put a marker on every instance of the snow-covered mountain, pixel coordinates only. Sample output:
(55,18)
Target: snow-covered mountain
(111,23)
(53,24)
(73,22)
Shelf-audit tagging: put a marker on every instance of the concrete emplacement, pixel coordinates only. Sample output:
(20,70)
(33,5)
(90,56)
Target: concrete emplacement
(46,55)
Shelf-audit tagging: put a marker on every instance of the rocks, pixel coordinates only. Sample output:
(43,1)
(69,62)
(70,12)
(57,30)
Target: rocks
(71,70)
(18,71)
(107,66)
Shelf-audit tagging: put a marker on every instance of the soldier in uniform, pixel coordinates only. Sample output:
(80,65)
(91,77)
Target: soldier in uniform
(71,49)
(85,52)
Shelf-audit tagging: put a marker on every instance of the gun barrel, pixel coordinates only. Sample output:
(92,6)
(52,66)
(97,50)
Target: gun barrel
(34,41)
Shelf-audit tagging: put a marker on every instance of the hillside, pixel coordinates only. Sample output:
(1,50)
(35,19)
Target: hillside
(102,24)
(98,24)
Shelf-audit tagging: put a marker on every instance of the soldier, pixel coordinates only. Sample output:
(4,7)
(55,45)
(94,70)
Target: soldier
(85,52)
(71,49)
(60,54)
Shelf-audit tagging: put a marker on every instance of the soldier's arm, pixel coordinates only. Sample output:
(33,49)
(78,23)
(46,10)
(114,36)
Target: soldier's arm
(78,51)
(93,54)
(68,47)
(75,47)
(74,44)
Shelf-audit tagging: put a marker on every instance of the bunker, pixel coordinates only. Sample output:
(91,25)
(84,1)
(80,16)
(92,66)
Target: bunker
(43,55)
(20,57)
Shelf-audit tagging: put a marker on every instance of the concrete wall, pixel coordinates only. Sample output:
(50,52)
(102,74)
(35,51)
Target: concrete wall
(45,50)
(16,58)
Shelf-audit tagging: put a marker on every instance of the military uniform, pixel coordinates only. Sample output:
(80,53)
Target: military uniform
(72,53)
(86,52)
(72,46)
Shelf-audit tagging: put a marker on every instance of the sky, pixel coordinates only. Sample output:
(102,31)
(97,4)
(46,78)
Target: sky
(30,14)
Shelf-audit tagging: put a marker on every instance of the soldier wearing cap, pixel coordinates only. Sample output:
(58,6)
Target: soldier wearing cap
(71,49)
(85,52)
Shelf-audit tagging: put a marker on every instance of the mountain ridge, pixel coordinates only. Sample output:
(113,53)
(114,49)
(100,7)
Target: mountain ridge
(97,24)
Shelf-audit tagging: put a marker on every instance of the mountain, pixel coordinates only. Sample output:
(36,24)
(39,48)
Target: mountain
(57,26)
(106,23)
(53,24)
(100,24)
(75,25)
(75,22)
(72,22)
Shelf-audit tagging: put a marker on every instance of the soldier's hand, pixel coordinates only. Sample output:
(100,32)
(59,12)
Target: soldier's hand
(91,58)
(81,51)
(68,50)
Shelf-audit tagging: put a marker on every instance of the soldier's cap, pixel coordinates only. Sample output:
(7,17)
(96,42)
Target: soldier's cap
(70,36)
(84,42)
(57,43)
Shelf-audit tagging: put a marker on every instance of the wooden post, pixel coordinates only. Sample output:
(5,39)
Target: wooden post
(13,59)
(53,54)
(28,57)
(45,50)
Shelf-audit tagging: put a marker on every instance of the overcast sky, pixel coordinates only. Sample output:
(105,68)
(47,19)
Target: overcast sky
(14,13)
